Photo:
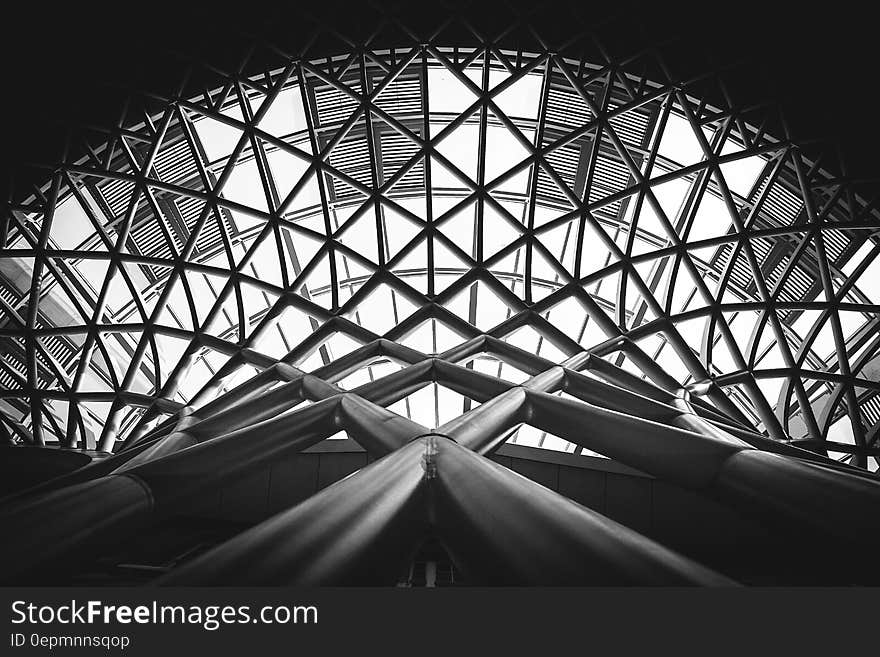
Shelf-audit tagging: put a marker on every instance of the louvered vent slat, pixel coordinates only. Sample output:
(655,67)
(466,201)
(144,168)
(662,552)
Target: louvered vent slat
(781,206)
(334,106)
(630,126)
(117,194)
(352,157)
(566,108)
(403,96)
(397,150)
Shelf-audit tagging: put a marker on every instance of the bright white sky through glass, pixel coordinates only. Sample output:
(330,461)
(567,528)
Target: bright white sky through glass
(699,215)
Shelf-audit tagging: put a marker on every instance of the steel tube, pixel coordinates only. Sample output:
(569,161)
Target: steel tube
(90,514)
(684,457)
(48,531)
(808,493)
(360,530)
(238,452)
(501,528)
(620,377)
(270,404)
(836,502)
(470,383)
(377,429)
(616,398)
(94,470)
(482,429)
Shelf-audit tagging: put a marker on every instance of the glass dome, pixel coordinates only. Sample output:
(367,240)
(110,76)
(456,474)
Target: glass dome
(429,195)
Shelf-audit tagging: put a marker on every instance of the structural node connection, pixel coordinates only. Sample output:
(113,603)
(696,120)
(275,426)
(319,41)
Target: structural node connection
(437,252)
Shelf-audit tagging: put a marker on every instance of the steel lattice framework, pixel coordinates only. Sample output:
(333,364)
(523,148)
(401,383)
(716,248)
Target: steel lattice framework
(436,249)
(209,240)
(147,264)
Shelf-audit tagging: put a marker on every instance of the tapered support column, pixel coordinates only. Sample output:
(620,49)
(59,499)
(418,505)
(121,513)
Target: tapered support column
(226,457)
(482,429)
(470,383)
(185,469)
(377,428)
(57,527)
(246,412)
(94,470)
(254,388)
(396,386)
(627,380)
(837,502)
(810,494)
(360,530)
(179,438)
(615,397)
(88,515)
(501,528)
(190,430)
(690,421)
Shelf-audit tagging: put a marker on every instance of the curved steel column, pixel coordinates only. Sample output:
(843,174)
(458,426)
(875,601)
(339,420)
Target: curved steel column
(51,530)
(360,530)
(499,527)
(502,528)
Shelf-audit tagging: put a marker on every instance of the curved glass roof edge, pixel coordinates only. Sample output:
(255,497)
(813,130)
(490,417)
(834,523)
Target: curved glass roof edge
(549,224)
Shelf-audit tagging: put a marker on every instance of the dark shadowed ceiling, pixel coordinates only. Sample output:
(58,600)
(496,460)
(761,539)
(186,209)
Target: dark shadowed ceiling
(74,60)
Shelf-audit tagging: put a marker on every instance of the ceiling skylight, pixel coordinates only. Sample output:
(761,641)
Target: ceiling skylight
(478,188)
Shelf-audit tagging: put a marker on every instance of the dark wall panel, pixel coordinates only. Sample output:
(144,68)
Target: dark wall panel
(742,546)
(502,460)
(334,467)
(246,499)
(546,474)
(293,480)
(628,500)
(585,487)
